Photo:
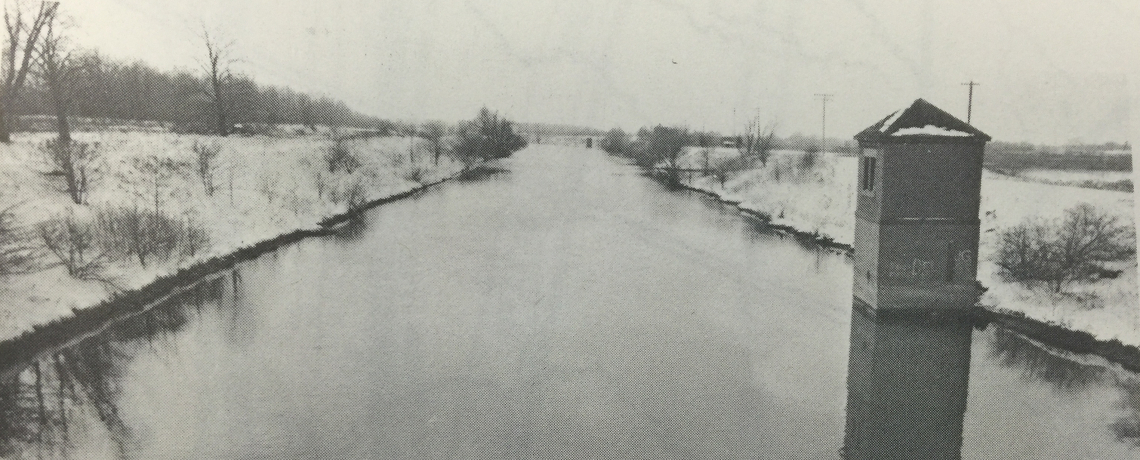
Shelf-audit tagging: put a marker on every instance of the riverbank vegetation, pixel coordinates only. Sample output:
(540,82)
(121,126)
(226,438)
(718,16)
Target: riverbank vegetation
(1078,243)
(165,201)
(488,137)
(1060,253)
(113,175)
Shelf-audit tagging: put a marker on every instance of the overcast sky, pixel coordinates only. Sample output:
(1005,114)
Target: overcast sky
(1051,71)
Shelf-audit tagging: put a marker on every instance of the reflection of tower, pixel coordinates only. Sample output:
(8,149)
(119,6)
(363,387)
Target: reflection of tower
(906,384)
(916,242)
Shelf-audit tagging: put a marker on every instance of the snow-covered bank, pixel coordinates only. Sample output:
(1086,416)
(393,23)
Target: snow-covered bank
(821,200)
(263,187)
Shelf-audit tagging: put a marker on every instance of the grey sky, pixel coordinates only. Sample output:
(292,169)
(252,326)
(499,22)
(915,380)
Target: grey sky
(1051,70)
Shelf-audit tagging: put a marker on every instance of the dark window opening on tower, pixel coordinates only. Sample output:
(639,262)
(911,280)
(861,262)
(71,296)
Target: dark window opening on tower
(868,177)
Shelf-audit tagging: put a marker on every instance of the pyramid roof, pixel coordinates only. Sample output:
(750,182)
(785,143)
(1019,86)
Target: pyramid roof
(921,121)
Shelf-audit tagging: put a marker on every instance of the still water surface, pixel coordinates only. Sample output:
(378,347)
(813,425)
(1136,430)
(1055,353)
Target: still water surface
(564,308)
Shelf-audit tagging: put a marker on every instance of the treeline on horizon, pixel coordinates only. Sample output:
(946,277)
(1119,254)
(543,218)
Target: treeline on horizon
(137,91)
(47,73)
(1014,157)
(1005,157)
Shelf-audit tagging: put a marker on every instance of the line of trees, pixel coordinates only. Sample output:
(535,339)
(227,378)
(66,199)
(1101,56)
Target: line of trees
(488,137)
(137,91)
(662,148)
(44,72)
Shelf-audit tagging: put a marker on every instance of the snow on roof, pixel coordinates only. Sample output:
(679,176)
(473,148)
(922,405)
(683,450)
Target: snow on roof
(890,121)
(921,120)
(930,130)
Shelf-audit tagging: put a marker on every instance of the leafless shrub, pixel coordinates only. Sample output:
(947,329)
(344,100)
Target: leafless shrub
(321,183)
(267,185)
(416,174)
(1057,254)
(615,142)
(195,238)
(340,157)
(18,254)
(782,170)
(724,168)
(810,158)
(156,174)
(356,195)
(434,131)
(757,141)
(73,242)
(206,156)
(397,159)
(74,162)
(148,236)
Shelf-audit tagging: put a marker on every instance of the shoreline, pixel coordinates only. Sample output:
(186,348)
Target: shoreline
(85,322)
(1050,334)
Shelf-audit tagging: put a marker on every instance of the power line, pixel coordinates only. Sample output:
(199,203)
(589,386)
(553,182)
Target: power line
(970,104)
(823,133)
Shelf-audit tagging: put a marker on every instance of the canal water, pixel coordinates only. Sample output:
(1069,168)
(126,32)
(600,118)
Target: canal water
(565,307)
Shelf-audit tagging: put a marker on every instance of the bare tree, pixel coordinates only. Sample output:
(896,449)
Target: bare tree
(218,75)
(724,168)
(64,72)
(206,156)
(73,242)
(409,130)
(340,156)
(1058,254)
(434,131)
(757,141)
(487,137)
(666,145)
(17,254)
(23,36)
(76,162)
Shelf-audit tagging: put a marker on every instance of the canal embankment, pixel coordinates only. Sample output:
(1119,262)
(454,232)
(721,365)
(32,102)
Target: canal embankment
(816,205)
(263,192)
(566,298)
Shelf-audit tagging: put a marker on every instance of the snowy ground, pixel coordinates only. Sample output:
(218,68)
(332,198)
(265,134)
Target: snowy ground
(1109,180)
(264,187)
(1075,175)
(822,199)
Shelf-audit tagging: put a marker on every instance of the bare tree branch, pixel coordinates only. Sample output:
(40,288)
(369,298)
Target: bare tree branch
(23,38)
(218,75)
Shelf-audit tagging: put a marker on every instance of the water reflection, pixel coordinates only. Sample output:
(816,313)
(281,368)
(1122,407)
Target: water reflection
(482,172)
(71,397)
(542,316)
(1127,428)
(1013,350)
(906,384)
(352,229)
(1068,375)
(52,398)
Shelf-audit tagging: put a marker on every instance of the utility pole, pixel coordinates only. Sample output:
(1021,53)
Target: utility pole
(970,104)
(823,134)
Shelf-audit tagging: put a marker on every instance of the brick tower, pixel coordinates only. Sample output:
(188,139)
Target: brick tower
(916,226)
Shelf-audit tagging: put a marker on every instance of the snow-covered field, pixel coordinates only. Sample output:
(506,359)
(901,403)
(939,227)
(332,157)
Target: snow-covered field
(1108,180)
(822,200)
(263,187)
(1055,175)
